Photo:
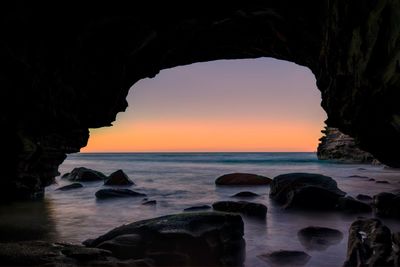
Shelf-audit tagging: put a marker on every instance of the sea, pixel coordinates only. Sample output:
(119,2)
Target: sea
(181,180)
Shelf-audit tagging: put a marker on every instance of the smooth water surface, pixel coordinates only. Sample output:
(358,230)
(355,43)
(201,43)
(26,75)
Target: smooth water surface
(181,180)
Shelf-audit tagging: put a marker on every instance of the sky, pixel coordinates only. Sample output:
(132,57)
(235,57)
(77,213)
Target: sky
(251,105)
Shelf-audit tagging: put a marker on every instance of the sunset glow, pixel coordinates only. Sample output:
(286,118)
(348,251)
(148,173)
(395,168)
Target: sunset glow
(242,105)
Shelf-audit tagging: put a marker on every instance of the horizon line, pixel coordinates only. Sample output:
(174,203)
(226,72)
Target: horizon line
(143,152)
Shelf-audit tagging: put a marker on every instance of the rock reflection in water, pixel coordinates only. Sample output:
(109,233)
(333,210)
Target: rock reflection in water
(27,221)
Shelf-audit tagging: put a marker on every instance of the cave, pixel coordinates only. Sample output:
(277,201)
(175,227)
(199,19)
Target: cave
(67,67)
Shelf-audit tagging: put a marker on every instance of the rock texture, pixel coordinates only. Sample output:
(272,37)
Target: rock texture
(335,145)
(371,244)
(179,240)
(66,67)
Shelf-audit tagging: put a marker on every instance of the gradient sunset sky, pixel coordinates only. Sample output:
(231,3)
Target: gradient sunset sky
(227,105)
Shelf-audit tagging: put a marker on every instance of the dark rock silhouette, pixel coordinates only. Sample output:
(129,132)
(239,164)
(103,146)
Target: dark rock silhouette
(83,174)
(242,179)
(75,62)
(305,190)
(244,207)
(118,178)
(286,258)
(319,238)
(70,187)
(187,239)
(387,205)
(352,205)
(370,244)
(117,193)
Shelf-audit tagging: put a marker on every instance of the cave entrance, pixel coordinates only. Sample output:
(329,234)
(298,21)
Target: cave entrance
(256,105)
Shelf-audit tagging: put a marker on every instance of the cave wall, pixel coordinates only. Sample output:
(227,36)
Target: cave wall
(66,67)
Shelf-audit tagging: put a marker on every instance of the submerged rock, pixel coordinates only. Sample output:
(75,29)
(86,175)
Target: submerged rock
(40,253)
(369,244)
(150,202)
(198,208)
(187,239)
(83,174)
(118,178)
(387,205)
(70,187)
(382,182)
(319,238)
(116,193)
(305,190)
(245,194)
(242,179)
(244,207)
(365,198)
(286,258)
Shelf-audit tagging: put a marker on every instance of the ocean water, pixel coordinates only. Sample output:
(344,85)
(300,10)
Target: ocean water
(180,180)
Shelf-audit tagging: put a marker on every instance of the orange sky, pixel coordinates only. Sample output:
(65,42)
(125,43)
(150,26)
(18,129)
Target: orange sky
(242,105)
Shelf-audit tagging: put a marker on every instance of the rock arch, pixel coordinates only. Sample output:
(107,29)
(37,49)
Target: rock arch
(66,67)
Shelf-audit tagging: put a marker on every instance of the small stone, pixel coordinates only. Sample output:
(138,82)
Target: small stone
(117,193)
(365,198)
(70,187)
(245,194)
(244,207)
(382,182)
(150,203)
(197,208)
(242,179)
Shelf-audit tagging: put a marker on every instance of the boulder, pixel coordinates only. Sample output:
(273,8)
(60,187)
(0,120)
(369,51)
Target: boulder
(118,178)
(244,207)
(245,194)
(387,205)
(369,244)
(117,193)
(305,190)
(83,174)
(319,238)
(186,239)
(286,258)
(70,187)
(350,204)
(242,179)
(197,208)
